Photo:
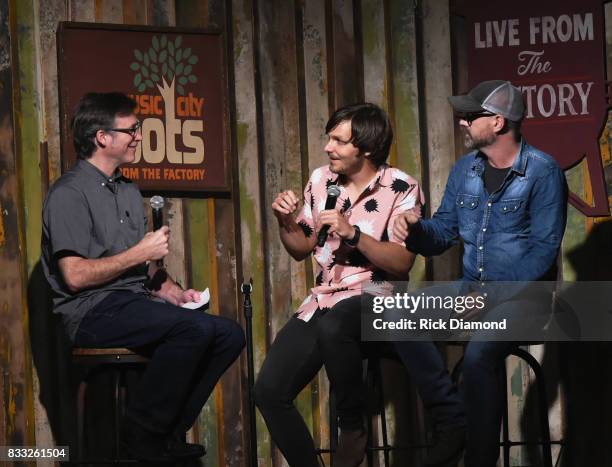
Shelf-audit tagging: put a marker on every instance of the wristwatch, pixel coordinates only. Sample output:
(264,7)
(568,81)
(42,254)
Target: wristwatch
(355,240)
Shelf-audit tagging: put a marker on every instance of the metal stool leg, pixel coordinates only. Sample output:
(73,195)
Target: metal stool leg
(374,384)
(82,390)
(117,409)
(542,402)
(333,426)
(370,416)
(505,428)
(383,414)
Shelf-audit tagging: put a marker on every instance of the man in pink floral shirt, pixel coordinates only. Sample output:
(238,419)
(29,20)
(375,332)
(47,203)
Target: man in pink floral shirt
(360,249)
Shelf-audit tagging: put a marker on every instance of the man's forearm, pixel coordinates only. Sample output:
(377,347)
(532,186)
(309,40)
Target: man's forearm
(390,257)
(430,237)
(84,273)
(294,240)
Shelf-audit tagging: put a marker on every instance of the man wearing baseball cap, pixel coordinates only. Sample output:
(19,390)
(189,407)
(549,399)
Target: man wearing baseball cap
(507,202)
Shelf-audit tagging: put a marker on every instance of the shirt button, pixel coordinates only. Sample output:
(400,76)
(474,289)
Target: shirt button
(484,229)
(480,269)
(505,208)
(480,247)
(102,184)
(489,204)
(121,220)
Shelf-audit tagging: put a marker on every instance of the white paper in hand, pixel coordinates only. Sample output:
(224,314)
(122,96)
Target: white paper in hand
(204,299)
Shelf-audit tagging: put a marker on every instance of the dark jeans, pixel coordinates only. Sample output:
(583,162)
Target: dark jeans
(330,338)
(481,405)
(191,350)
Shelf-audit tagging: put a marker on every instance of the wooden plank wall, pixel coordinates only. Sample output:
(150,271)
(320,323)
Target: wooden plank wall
(16,388)
(290,64)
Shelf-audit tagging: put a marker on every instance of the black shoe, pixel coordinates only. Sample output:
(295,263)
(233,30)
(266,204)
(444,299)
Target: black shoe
(143,444)
(179,449)
(447,448)
(351,448)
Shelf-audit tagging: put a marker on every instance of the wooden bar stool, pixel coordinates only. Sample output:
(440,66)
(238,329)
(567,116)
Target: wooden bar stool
(93,361)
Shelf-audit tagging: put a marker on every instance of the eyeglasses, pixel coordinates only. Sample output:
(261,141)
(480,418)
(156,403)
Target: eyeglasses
(132,131)
(470,117)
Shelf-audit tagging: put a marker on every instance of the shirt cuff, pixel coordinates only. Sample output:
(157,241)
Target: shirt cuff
(414,238)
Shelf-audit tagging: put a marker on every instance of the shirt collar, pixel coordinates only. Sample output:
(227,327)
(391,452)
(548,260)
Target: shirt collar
(85,165)
(518,165)
(373,183)
(380,173)
(521,160)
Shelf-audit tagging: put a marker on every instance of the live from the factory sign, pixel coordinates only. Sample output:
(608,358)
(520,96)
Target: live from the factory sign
(554,51)
(177,78)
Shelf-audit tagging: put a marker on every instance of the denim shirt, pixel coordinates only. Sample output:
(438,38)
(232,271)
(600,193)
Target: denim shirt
(513,234)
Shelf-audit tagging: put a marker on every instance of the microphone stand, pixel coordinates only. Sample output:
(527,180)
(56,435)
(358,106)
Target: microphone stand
(246,290)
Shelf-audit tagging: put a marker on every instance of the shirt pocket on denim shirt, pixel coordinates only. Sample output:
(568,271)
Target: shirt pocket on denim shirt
(467,212)
(511,213)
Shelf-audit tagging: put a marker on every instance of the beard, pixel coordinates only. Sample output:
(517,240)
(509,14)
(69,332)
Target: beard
(475,142)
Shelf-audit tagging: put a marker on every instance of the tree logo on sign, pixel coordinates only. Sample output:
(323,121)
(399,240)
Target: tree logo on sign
(167,66)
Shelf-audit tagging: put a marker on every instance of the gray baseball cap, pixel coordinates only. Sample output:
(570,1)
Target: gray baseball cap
(496,96)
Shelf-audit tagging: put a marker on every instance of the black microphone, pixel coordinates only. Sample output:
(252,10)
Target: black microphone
(157,204)
(330,203)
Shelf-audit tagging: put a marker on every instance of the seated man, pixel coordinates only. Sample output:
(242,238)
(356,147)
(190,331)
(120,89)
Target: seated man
(98,260)
(359,249)
(507,202)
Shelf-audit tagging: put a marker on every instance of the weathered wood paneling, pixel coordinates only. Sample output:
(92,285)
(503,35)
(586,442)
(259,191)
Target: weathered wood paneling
(15,363)
(221,246)
(282,160)
(249,175)
(437,78)
(315,81)
(312,37)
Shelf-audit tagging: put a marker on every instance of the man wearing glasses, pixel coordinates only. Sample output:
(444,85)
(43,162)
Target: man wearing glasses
(506,201)
(102,267)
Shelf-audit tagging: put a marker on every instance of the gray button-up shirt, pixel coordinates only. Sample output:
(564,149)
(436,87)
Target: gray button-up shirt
(90,215)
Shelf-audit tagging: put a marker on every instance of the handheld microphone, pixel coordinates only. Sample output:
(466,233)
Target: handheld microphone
(330,203)
(157,204)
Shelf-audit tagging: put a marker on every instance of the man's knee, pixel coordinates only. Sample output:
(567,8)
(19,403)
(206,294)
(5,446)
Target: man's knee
(267,395)
(195,331)
(231,333)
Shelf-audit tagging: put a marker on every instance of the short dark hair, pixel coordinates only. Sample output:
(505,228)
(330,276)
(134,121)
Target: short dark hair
(97,111)
(370,129)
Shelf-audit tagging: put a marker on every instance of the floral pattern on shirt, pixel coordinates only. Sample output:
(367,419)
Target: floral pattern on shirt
(342,271)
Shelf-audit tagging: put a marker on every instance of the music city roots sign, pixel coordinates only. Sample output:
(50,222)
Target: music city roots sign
(177,78)
(554,51)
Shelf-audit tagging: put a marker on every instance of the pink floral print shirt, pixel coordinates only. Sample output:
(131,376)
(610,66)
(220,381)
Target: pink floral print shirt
(343,271)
